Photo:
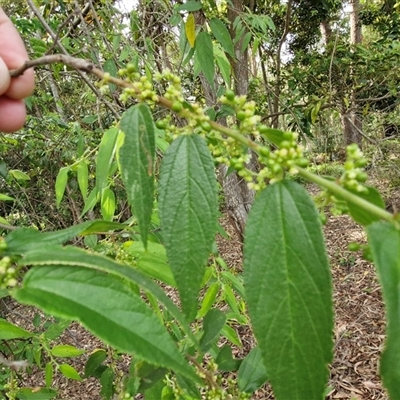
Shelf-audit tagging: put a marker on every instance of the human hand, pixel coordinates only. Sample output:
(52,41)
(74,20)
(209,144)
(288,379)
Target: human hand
(12,91)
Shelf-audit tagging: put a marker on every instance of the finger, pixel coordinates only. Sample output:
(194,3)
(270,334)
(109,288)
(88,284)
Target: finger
(4,77)
(13,53)
(12,114)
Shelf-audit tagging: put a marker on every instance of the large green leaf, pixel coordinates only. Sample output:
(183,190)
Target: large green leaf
(68,255)
(137,157)
(23,240)
(221,33)
(188,207)
(205,56)
(106,305)
(288,289)
(385,246)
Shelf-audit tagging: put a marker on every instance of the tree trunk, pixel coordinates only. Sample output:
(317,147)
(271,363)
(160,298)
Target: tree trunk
(351,121)
(326,32)
(238,196)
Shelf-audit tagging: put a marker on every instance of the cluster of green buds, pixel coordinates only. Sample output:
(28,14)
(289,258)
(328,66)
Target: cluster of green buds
(245,111)
(8,273)
(289,155)
(174,88)
(141,87)
(354,177)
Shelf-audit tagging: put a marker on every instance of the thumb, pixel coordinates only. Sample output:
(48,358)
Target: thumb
(4,77)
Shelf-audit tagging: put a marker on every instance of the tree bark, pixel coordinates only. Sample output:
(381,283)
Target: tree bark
(351,121)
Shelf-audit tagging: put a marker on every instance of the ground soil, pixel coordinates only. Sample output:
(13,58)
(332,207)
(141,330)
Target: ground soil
(359,325)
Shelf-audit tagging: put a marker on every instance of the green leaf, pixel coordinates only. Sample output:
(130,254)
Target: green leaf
(155,392)
(221,33)
(223,65)
(189,387)
(3,169)
(212,325)
(275,136)
(359,214)
(137,157)
(153,261)
(4,197)
(148,375)
(34,394)
(246,41)
(205,56)
(385,246)
(189,6)
(69,372)
(61,183)
(19,175)
(90,201)
(225,359)
(190,29)
(107,204)
(10,331)
(231,335)
(48,374)
(105,157)
(94,362)
(252,373)
(188,206)
(56,329)
(110,67)
(83,177)
(288,290)
(65,350)
(69,255)
(102,226)
(26,239)
(208,300)
(107,383)
(106,305)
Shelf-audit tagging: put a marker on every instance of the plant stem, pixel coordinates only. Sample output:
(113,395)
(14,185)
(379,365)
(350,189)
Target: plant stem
(346,195)
(89,67)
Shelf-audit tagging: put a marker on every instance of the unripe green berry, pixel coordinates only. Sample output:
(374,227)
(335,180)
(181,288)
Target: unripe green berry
(161,124)
(241,115)
(206,126)
(264,151)
(131,68)
(230,95)
(362,177)
(176,106)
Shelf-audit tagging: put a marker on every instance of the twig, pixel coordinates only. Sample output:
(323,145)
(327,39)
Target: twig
(73,62)
(9,227)
(88,66)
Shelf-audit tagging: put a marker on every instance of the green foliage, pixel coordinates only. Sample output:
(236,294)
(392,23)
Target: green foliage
(165,172)
(188,213)
(137,158)
(287,269)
